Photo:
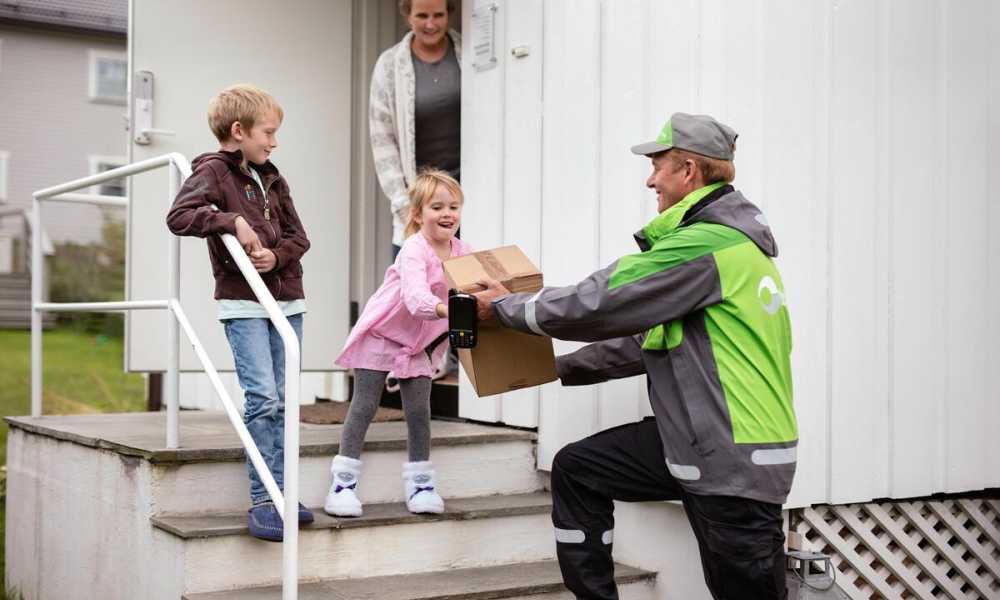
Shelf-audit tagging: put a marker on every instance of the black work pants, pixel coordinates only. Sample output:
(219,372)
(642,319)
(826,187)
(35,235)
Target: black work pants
(740,540)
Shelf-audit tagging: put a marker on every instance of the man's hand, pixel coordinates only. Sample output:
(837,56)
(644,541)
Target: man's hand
(484,299)
(247,236)
(263,260)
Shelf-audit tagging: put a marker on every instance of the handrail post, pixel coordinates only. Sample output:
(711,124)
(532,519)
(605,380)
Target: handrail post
(37,277)
(290,550)
(172,379)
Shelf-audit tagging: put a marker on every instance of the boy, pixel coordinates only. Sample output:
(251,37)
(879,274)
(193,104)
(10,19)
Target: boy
(238,190)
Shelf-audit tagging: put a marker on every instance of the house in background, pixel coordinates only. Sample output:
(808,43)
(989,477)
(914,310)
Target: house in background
(63,80)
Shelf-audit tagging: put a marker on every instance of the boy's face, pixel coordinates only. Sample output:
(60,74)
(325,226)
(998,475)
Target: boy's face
(440,216)
(258,143)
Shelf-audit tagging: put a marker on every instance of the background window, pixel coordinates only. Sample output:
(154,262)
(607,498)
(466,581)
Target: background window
(108,75)
(100,164)
(4,156)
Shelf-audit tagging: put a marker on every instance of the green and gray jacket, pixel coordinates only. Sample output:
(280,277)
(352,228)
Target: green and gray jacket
(701,311)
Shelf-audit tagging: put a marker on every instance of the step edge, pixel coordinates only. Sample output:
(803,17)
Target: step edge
(624,575)
(168,457)
(543,505)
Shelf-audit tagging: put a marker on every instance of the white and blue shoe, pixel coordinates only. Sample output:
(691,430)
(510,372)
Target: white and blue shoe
(342,499)
(419,487)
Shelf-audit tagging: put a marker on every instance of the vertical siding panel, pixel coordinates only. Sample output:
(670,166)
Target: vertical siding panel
(788,194)
(992,315)
(855,468)
(739,59)
(522,163)
(570,187)
(968,191)
(917,257)
(483,153)
(623,192)
(881,389)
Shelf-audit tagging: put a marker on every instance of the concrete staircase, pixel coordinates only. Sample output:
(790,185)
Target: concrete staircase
(183,513)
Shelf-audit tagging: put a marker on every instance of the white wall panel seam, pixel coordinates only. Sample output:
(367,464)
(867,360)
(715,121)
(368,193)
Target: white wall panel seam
(882,144)
(541,188)
(599,169)
(891,253)
(763,83)
(502,21)
(944,448)
(642,401)
(829,64)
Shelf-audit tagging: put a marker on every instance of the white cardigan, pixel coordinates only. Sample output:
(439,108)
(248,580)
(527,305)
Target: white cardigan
(391,124)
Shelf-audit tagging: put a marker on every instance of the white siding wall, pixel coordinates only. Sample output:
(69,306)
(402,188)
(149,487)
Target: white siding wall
(50,126)
(868,136)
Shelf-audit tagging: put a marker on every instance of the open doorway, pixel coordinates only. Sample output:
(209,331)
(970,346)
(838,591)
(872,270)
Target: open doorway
(377,26)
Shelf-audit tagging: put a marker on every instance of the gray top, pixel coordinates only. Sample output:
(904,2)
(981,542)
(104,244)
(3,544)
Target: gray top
(438,112)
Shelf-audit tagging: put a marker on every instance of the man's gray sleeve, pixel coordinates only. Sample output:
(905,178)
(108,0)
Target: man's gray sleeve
(611,359)
(593,310)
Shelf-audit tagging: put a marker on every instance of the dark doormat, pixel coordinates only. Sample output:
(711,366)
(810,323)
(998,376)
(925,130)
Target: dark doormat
(329,413)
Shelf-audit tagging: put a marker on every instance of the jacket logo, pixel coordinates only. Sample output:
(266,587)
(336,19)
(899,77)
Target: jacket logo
(773,300)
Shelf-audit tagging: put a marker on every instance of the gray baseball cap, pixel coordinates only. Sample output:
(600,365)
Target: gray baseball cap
(700,134)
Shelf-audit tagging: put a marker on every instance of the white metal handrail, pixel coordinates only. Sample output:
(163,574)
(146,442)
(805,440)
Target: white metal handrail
(286,502)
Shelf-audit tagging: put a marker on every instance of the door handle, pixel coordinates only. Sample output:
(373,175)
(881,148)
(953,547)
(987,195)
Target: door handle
(143,103)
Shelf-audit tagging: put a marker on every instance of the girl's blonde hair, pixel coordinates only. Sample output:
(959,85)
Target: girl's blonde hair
(423,189)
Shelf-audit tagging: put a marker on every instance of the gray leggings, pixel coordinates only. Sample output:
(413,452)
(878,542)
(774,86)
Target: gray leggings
(416,393)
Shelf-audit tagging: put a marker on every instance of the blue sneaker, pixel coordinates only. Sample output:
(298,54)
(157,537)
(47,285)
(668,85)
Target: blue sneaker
(305,515)
(264,522)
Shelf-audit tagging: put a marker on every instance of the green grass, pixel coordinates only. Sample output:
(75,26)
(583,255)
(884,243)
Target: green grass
(82,374)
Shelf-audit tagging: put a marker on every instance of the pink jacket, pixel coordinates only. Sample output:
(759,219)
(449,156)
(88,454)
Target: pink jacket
(400,319)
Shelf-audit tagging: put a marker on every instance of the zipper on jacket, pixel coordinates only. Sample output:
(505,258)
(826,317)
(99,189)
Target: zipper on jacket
(267,211)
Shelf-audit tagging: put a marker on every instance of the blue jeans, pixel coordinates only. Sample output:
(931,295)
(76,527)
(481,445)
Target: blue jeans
(260,365)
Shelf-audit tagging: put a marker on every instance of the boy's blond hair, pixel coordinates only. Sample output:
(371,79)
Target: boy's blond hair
(241,102)
(423,189)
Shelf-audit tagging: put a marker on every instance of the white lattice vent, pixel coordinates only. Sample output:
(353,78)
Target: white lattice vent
(923,549)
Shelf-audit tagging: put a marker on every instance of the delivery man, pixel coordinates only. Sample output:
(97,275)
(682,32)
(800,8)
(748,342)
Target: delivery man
(701,311)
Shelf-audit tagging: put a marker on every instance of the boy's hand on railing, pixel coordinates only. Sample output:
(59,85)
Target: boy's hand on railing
(247,237)
(263,260)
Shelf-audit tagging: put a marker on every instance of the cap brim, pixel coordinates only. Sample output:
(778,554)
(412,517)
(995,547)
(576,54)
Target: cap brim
(649,148)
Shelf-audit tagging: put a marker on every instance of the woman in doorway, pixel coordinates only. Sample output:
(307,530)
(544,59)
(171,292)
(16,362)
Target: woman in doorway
(415,115)
(415,111)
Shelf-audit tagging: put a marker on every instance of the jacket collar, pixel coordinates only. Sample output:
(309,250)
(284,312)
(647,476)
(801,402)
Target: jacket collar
(672,218)
(267,171)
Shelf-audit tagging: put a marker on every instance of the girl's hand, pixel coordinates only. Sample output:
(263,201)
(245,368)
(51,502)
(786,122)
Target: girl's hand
(263,260)
(442,310)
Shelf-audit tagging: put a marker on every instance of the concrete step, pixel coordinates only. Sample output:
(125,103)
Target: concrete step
(473,532)
(531,580)
(376,515)
(470,460)
(9,294)
(15,280)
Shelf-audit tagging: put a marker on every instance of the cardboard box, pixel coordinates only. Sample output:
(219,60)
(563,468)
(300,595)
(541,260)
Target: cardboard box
(504,359)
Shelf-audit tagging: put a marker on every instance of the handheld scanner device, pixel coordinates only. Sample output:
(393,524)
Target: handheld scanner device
(463,323)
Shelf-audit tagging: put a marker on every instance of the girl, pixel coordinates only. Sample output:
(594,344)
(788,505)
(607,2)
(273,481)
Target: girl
(397,332)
